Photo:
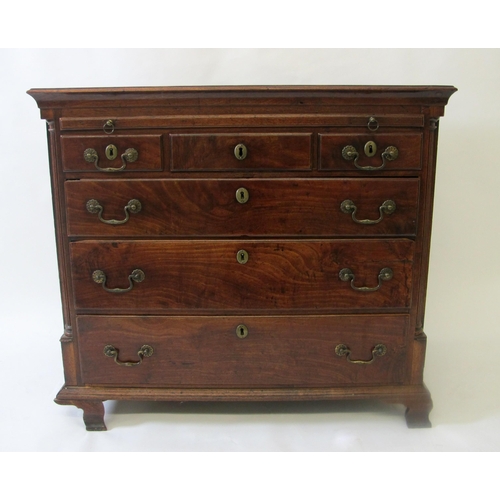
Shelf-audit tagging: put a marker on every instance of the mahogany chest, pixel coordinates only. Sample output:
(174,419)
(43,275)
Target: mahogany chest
(243,243)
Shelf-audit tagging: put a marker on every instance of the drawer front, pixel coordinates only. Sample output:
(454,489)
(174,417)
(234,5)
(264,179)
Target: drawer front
(242,207)
(276,352)
(388,152)
(240,152)
(203,275)
(111,154)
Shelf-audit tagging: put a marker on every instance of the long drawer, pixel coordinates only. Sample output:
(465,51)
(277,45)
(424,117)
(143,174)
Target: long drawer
(235,275)
(310,351)
(300,207)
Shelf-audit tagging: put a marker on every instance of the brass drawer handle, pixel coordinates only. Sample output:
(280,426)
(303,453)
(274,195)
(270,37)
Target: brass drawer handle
(385,274)
(350,153)
(372,124)
(90,155)
(144,352)
(348,207)
(137,275)
(132,207)
(343,350)
(109,127)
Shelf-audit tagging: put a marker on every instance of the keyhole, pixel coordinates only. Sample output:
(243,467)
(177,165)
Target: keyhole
(111,152)
(241,331)
(242,195)
(370,148)
(242,256)
(240,151)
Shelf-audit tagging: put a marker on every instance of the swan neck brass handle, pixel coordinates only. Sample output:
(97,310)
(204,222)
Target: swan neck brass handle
(385,274)
(136,276)
(144,352)
(132,207)
(351,154)
(343,350)
(90,155)
(348,207)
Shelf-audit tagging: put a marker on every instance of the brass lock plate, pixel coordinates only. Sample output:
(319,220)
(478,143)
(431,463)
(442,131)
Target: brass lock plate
(111,152)
(242,256)
(370,148)
(242,195)
(240,151)
(241,331)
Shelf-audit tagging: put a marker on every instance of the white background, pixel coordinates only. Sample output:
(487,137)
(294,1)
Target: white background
(462,367)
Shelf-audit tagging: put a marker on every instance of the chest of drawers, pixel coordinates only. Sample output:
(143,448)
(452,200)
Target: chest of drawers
(243,243)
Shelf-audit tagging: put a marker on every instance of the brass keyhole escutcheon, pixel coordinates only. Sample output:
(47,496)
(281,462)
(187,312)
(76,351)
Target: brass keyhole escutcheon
(242,195)
(241,331)
(240,151)
(242,256)
(370,148)
(111,152)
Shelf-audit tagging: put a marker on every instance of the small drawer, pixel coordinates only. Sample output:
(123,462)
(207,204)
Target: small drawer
(272,351)
(247,207)
(168,277)
(240,152)
(111,154)
(370,153)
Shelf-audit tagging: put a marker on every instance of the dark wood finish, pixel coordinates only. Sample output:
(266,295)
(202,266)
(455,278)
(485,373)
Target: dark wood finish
(203,351)
(215,152)
(204,275)
(276,207)
(148,148)
(409,147)
(186,236)
(234,116)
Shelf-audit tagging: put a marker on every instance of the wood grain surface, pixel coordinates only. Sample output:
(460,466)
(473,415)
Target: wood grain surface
(292,207)
(277,352)
(206,276)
